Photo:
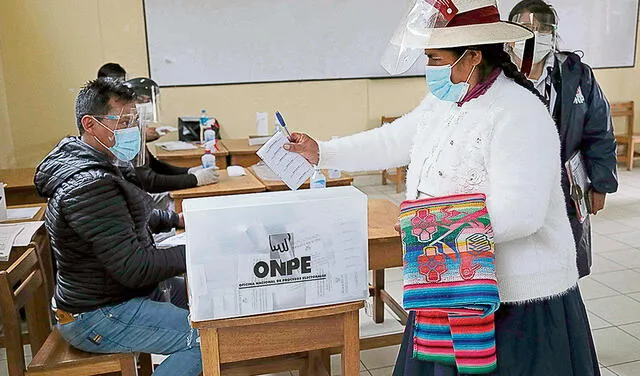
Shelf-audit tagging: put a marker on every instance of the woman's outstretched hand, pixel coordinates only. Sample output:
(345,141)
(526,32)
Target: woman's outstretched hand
(304,145)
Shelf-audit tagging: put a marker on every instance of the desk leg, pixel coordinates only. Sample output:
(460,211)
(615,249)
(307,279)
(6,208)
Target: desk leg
(378,303)
(351,345)
(178,205)
(209,347)
(318,364)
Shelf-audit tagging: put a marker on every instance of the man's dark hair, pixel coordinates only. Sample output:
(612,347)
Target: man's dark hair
(94,97)
(112,70)
(535,7)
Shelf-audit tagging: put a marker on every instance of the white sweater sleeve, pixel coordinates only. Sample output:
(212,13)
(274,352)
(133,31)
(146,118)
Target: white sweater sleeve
(376,149)
(524,169)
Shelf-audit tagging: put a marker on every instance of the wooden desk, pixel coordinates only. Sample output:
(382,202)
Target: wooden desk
(40,241)
(385,251)
(240,152)
(191,158)
(20,188)
(309,330)
(279,185)
(226,186)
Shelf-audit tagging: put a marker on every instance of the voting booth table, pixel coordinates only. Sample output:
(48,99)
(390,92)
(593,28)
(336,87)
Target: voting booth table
(278,274)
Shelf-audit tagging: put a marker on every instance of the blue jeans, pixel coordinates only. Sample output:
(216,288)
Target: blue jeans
(141,325)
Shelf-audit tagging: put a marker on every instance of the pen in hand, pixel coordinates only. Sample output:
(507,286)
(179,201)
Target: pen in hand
(283,124)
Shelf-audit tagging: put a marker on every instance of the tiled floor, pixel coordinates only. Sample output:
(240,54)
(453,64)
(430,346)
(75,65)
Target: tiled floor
(611,293)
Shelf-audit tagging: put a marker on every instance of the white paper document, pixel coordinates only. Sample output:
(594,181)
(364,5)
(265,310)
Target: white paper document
(26,234)
(8,234)
(176,145)
(292,168)
(180,239)
(21,213)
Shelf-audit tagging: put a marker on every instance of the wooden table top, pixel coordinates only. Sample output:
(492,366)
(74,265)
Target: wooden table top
(226,186)
(383,215)
(191,153)
(38,217)
(279,185)
(239,146)
(16,178)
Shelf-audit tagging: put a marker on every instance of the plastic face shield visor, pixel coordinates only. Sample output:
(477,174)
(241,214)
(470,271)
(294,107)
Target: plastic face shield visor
(543,25)
(128,120)
(537,22)
(147,98)
(414,32)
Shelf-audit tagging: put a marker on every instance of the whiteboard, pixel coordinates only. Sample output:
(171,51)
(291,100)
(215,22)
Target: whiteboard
(209,42)
(220,41)
(605,30)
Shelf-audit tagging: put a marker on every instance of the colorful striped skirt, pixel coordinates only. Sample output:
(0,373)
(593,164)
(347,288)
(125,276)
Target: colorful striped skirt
(548,337)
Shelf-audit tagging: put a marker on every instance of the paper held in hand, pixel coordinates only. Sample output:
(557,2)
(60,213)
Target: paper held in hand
(292,168)
(579,185)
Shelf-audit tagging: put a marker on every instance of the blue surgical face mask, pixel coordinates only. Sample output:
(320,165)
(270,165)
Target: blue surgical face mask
(440,84)
(127,144)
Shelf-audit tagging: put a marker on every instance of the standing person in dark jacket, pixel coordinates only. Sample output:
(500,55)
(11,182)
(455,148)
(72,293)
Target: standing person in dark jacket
(580,110)
(107,297)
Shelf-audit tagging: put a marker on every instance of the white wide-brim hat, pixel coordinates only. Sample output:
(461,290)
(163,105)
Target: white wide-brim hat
(434,24)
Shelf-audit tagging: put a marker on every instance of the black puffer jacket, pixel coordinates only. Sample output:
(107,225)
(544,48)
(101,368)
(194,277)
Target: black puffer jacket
(157,177)
(100,225)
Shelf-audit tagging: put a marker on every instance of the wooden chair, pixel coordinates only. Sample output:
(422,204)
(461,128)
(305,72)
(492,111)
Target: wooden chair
(401,172)
(22,285)
(23,328)
(628,139)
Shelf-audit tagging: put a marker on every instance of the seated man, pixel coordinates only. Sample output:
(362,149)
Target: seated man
(107,297)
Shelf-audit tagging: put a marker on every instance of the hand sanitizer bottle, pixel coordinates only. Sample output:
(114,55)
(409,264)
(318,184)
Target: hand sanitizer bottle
(318,180)
(209,137)
(208,159)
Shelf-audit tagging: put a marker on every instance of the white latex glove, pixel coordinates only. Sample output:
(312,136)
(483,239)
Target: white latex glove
(206,176)
(192,170)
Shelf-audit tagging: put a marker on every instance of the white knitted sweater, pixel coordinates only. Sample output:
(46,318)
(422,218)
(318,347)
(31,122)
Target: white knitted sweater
(503,144)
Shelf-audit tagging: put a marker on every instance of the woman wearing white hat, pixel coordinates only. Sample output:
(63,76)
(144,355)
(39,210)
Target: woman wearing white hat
(483,128)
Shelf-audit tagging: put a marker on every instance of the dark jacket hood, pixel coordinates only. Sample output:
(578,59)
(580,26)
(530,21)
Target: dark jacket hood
(68,158)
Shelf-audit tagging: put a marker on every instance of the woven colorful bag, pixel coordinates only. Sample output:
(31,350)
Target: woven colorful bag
(450,280)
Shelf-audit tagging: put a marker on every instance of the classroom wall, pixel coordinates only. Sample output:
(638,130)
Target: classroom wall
(49,49)
(6,145)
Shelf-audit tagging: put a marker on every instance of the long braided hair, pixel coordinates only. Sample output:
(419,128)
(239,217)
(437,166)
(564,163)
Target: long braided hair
(495,56)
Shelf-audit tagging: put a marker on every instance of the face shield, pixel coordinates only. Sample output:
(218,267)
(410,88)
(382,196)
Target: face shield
(414,32)
(544,26)
(147,98)
(128,137)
